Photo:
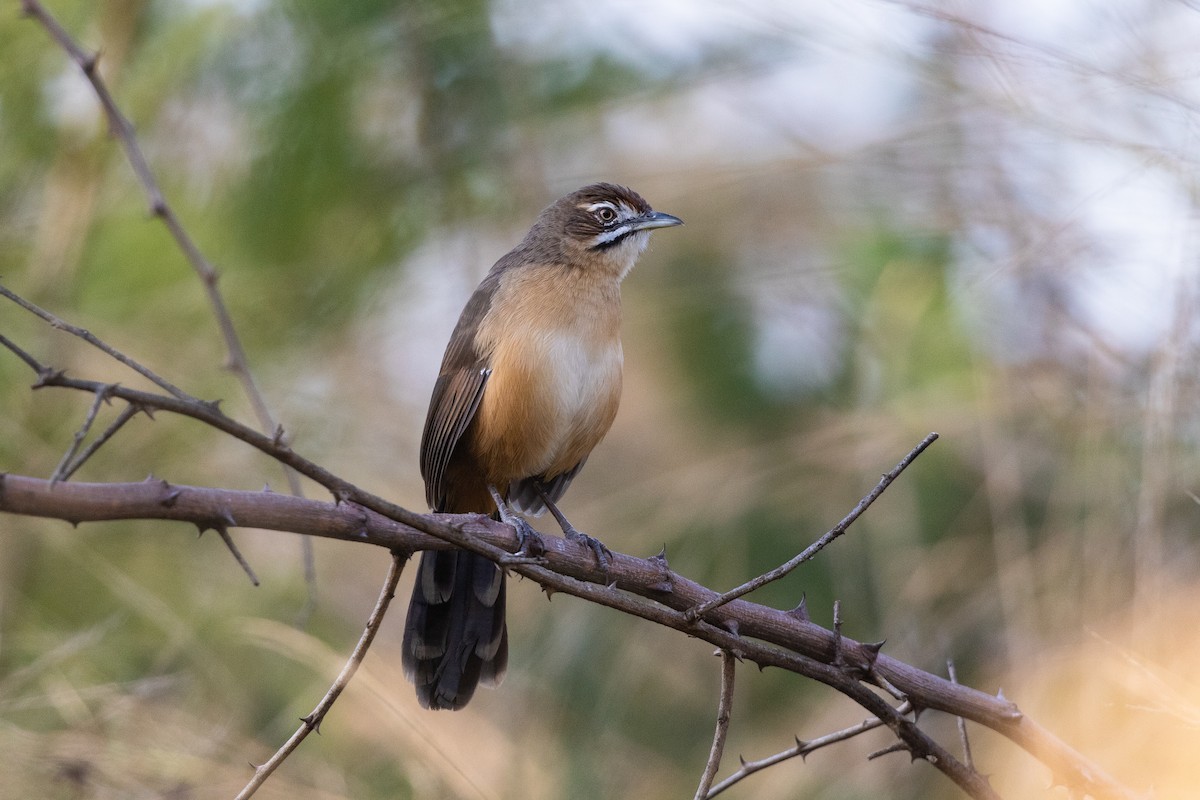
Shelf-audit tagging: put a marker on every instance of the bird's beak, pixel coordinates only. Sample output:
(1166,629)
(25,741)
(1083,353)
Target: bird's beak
(654,219)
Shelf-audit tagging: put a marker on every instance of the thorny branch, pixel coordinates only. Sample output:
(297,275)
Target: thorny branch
(802,748)
(787,639)
(724,710)
(811,551)
(96,342)
(313,721)
(60,471)
(767,636)
(127,413)
(123,130)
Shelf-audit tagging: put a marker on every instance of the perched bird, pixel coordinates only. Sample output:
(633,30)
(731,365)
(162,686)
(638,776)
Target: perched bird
(529,384)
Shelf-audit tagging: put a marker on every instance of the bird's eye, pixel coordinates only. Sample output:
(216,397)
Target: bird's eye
(605,214)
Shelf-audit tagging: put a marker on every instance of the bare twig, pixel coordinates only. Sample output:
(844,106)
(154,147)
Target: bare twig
(96,342)
(80,435)
(724,706)
(802,748)
(29,360)
(313,721)
(123,130)
(274,446)
(962,723)
(895,747)
(811,551)
(223,532)
(919,743)
(127,413)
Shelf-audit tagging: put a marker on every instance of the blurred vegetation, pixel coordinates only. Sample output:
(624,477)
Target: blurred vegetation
(897,222)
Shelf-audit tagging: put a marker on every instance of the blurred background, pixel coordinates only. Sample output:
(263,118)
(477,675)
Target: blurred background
(975,218)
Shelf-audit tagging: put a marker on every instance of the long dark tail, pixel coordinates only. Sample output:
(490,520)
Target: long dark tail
(455,636)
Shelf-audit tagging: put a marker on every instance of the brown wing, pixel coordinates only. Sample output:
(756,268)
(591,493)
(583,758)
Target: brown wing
(455,400)
(456,394)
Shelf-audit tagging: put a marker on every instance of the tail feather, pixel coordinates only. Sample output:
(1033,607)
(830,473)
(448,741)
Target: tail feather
(455,636)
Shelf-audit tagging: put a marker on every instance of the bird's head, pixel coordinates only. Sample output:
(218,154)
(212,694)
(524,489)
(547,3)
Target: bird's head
(603,226)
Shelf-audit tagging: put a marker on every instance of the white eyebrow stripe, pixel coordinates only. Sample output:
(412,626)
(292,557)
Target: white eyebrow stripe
(608,236)
(601,204)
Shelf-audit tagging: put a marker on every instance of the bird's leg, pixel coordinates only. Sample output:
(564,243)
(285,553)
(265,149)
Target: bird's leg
(529,542)
(603,554)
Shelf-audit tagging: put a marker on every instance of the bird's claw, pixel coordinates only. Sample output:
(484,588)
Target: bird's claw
(601,551)
(529,541)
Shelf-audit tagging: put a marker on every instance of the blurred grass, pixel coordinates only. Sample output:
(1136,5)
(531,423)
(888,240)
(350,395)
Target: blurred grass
(352,169)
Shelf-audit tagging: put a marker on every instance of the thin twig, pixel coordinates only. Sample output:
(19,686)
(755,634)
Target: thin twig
(802,748)
(817,546)
(895,747)
(962,723)
(313,721)
(274,446)
(223,532)
(123,130)
(96,342)
(917,741)
(80,435)
(724,707)
(29,360)
(128,413)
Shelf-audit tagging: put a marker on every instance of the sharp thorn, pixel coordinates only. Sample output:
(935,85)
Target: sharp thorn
(872,651)
(800,612)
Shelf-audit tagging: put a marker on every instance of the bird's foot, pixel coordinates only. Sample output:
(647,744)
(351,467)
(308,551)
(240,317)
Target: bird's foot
(530,546)
(603,554)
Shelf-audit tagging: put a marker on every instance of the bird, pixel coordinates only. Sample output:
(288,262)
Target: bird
(528,386)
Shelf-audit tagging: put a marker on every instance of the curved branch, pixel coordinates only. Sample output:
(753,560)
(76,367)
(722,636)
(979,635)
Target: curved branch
(644,587)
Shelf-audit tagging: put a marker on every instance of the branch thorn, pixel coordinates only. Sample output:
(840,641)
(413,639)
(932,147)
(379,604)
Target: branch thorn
(89,62)
(872,651)
(800,612)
